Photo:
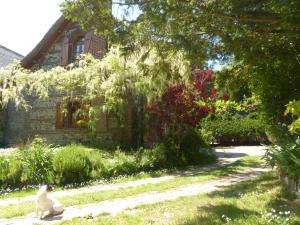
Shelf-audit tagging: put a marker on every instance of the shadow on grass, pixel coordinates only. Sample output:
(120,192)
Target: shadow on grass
(213,215)
(261,184)
(286,201)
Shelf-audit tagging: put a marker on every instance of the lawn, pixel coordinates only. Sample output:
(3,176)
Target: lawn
(244,163)
(256,202)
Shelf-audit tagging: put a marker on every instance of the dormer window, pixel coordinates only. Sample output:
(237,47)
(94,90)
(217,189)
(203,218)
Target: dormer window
(78,48)
(76,42)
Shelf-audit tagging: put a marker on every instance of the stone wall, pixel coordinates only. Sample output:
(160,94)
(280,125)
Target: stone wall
(22,126)
(16,128)
(52,58)
(3,114)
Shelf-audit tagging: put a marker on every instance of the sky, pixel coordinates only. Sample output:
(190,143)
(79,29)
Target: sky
(23,23)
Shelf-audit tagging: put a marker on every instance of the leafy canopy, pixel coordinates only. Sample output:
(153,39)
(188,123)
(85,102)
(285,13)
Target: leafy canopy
(293,108)
(209,26)
(262,37)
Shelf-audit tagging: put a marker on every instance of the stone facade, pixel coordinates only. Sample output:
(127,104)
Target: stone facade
(41,120)
(7,56)
(53,57)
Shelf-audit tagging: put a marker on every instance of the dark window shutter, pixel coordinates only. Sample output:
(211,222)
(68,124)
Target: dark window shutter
(87,41)
(65,51)
(95,45)
(59,123)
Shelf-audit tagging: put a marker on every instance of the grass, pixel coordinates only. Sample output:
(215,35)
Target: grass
(256,202)
(17,193)
(27,207)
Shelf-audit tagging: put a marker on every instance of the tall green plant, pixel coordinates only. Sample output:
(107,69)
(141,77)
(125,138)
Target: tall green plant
(37,161)
(72,164)
(286,157)
(11,171)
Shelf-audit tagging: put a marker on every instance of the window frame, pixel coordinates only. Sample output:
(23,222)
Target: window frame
(66,117)
(79,42)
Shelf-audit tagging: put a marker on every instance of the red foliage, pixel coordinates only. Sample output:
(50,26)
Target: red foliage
(180,103)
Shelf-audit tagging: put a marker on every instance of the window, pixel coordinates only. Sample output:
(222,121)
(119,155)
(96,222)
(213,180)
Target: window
(78,48)
(70,115)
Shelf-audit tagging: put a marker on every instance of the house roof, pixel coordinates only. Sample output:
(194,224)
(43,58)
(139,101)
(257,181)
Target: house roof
(7,56)
(43,46)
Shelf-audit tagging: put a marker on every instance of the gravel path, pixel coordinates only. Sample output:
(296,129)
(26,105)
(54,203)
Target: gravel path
(227,155)
(118,205)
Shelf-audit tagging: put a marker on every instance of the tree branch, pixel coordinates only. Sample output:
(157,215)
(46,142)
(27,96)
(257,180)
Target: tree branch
(269,20)
(123,3)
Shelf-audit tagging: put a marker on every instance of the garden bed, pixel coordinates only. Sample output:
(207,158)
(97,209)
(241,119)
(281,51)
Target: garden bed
(77,164)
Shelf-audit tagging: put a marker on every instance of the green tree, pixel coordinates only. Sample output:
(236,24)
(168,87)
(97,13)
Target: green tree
(293,108)
(262,36)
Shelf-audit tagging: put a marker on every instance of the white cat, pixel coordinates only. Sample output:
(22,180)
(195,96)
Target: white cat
(44,203)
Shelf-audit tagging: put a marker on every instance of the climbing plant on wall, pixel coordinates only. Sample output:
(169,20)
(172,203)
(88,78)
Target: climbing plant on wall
(113,79)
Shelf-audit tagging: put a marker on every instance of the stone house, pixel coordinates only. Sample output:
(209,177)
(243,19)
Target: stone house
(61,45)
(7,56)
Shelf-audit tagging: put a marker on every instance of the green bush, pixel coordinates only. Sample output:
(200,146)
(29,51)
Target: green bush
(37,162)
(293,108)
(75,163)
(120,164)
(72,164)
(195,150)
(11,170)
(97,162)
(286,157)
(235,129)
(154,158)
(279,134)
